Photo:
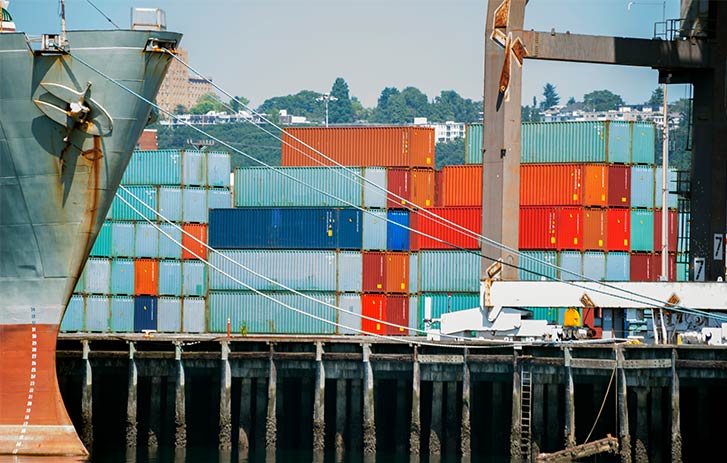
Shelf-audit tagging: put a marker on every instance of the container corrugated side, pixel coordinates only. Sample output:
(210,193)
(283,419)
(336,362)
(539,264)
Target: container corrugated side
(154,167)
(413,273)
(534,265)
(146,239)
(642,186)
(571,264)
(122,277)
(255,313)
(373,307)
(194,201)
(348,270)
(619,229)
(98,276)
(595,185)
(551,184)
(595,229)
(97,313)
(194,240)
(122,239)
(194,278)
(193,315)
(146,277)
(194,164)
(170,278)
(375,229)
(594,265)
(397,313)
(74,314)
(642,230)
(102,245)
(147,195)
(168,249)
(645,266)
(558,142)
(433,305)
(671,231)
(619,142)
(397,272)
(219,166)
(397,237)
(170,203)
(444,235)
(145,313)
(219,198)
(300,270)
(169,313)
(617,266)
(422,187)
(643,147)
(473,144)
(538,228)
(374,197)
(671,187)
(398,181)
(619,186)
(122,314)
(349,317)
(455,271)
(570,228)
(461,186)
(414,315)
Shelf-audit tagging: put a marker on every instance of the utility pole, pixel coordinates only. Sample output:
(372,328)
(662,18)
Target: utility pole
(326,97)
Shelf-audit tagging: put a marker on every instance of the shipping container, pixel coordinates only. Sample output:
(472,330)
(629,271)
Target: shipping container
(170,203)
(619,141)
(169,314)
(374,272)
(595,185)
(570,228)
(433,305)
(413,315)
(359,146)
(374,187)
(594,265)
(98,276)
(349,266)
(585,142)
(349,317)
(193,315)
(461,186)
(170,278)
(422,188)
(146,239)
(551,184)
(549,314)
(146,277)
(642,186)
(671,231)
(263,228)
(194,168)
(102,245)
(397,272)
(413,273)
(194,239)
(251,312)
(154,167)
(194,202)
(145,313)
(122,314)
(397,230)
(81,283)
(397,313)
(538,265)
(538,228)
(194,278)
(74,314)
(682,267)
(399,184)
(170,241)
(444,271)
(142,198)
(618,266)
(375,229)
(643,137)
(122,239)
(671,187)
(219,168)
(595,229)
(645,266)
(373,306)
(619,186)
(619,229)
(571,265)
(432,229)
(473,144)
(122,277)
(219,198)
(642,230)
(97,313)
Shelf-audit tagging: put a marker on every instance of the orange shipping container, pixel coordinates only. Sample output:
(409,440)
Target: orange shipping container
(146,277)
(461,186)
(359,146)
(422,187)
(595,229)
(373,306)
(199,231)
(551,184)
(595,185)
(397,272)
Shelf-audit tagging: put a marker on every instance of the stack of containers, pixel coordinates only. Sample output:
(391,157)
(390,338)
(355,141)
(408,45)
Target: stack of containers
(137,278)
(590,199)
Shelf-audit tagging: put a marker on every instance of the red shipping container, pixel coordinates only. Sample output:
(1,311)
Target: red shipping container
(397,312)
(468,217)
(570,228)
(359,146)
(397,272)
(461,186)
(551,184)
(619,186)
(398,183)
(672,230)
(148,140)
(595,185)
(422,187)
(146,277)
(595,229)
(672,266)
(374,272)
(619,229)
(438,188)
(538,228)
(199,231)
(646,266)
(374,306)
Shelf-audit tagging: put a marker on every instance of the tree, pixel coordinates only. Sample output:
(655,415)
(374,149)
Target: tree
(206,103)
(551,97)
(340,111)
(359,112)
(602,100)
(236,107)
(381,112)
(571,101)
(303,103)
(657,98)
(450,106)
(180,109)
(449,153)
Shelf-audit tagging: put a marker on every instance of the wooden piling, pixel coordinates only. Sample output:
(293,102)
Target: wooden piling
(131,401)
(415,430)
(180,408)
(319,411)
(435,428)
(155,411)
(244,427)
(341,409)
(369,422)
(271,424)
(466,429)
(225,435)
(87,400)
(623,413)
(676,432)
(516,424)
(570,406)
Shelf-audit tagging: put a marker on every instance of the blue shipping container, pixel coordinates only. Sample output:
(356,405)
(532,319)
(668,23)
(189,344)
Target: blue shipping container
(122,276)
(145,313)
(122,239)
(122,314)
(73,317)
(397,237)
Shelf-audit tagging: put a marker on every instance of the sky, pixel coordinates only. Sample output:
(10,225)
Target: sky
(265,48)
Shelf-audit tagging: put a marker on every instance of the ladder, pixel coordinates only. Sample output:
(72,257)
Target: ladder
(526,394)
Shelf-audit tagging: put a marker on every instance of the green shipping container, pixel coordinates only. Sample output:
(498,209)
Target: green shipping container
(157,167)
(449,271)
(643,143)
(473,144)
(534,265)
(642,230)
(433,305)
(102,245)
(549,314)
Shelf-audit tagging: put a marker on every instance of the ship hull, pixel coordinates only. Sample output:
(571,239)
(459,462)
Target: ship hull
(57,180)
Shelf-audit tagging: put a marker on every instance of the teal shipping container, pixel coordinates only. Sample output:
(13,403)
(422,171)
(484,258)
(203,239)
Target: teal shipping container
(102,245)
(122,276)
(219,198)
(642,230)
(549,314)
(682,267)
(194,202)
(98,276)
(219,168)
(683,231)
(547,142)
(643,143)
(170,203)
(374,187)
(618,266)
(349,317)
(299,270)
(433,305)
(169,315)
(170,278)
(374,230)
(81,283)
(140,198)
(194,278)
(73,317)
(157,167)
(194,168)
(254,313)
(193,315)
(671,187)
(473,144)
(445,271)
(122,239)
(122,314)
(571,264)
(594,265)
(97,313)
(413,275)
(168,249)
(146,239)
(349,266)
(538,265)
(642,186)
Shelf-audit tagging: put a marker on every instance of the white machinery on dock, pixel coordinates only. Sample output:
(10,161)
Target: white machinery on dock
(500,315)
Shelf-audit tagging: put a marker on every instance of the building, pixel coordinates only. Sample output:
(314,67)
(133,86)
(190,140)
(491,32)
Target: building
(288,119)
(443,131)
(179,88)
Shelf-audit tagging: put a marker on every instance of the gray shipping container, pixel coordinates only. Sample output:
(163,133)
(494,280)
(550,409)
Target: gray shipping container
(168,249)
(194,278)
(122,239)
(170,203)
(194,168)
(122,276)
(73,317)
(122,314)
(349,317)
(349,272)
(193,315)
(195,205)
(169,314)
(374,197)
(98,276)
(146,238)
(374,230)
(456,271)
(170,278)
(97,313)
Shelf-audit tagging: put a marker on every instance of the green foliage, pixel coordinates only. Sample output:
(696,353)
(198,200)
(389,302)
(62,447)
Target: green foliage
(238,103)
(303,103)
(450,106)
(657,98)
(449,153)
(550,95)
(341,110)
(602,100)
(401,107)
(206,103)
(180,109)
(359,112)
(571,101)
(530,114)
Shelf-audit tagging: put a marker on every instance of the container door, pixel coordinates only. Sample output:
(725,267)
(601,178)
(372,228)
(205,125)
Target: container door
(145,313)
(374,306)
(397,311)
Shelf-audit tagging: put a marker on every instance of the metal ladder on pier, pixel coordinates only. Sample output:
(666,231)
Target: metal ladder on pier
(526,397)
